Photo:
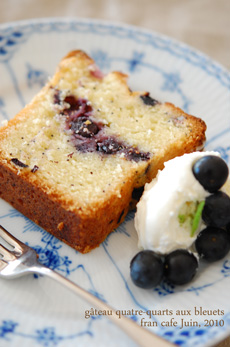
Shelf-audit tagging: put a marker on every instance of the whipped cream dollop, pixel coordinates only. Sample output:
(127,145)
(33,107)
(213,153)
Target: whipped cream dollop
(168,204)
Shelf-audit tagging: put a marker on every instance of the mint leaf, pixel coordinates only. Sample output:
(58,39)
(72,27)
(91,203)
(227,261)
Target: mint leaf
(197,217)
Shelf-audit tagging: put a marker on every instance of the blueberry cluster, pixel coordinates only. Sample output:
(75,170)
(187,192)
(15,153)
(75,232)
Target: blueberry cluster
(147,268)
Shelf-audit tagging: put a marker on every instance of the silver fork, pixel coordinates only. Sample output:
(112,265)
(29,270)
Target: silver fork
(22,260)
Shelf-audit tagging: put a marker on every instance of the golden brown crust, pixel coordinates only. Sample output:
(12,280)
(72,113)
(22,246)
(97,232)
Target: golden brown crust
(85,229)
(80,229)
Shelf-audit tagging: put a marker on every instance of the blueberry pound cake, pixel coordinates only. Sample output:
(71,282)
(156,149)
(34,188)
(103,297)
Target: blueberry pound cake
(76,158)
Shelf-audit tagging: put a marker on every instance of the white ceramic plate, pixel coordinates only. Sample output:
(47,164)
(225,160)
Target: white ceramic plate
(38,312)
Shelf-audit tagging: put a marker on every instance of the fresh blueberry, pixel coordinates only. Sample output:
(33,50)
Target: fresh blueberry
(146,269)
(211,172)
(216,210)
(213,244)
(180,266)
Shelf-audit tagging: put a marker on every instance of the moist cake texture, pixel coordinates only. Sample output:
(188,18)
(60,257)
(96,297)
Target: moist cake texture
(75,159)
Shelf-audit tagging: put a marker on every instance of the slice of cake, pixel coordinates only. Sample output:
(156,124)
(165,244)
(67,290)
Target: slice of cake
(76,157)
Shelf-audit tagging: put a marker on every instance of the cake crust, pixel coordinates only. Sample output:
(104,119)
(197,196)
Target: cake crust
(82,230)
(84,223)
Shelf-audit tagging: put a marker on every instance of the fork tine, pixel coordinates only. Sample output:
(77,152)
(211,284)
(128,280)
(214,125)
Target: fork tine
(7,255)
(3,264)
(10,239)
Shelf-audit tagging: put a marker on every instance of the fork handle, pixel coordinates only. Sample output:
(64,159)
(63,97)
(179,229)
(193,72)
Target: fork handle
(140,335)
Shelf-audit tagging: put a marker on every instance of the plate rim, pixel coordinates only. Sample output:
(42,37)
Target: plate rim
(115,24)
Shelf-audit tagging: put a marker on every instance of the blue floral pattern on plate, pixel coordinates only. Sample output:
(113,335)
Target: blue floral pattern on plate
(157,64)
